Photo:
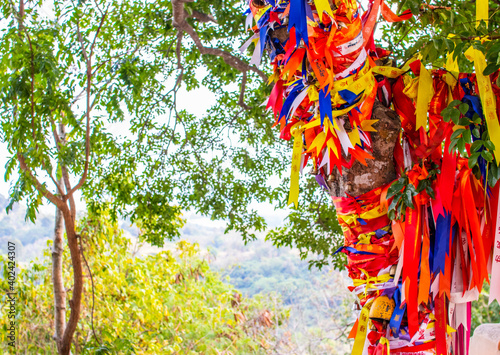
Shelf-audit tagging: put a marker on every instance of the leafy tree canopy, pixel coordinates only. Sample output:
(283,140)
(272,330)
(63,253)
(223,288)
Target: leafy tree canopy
(442,27)
(72,74)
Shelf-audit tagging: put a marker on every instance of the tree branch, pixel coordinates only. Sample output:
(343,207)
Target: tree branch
(65,174)
(178,48)
(58,281)
(475,37)
(39,186)
(98,30)
(181,24)
(200,16)
(241,99)
(88,60)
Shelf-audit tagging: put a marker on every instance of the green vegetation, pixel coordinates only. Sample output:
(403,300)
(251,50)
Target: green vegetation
(482,312)
(443,27)
(170,302)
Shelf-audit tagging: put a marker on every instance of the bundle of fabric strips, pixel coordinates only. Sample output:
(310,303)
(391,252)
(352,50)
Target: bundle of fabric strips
(420,248)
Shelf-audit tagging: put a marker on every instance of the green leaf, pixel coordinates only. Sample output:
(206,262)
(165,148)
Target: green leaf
(464,121)
(463,108)
(394,203)
(476,145)
(455,115)
(473,159)
(408,198)
(452,146)
(461,147)
(494,170)
(489,145)
(457,133)
(491,68)
(487,156)
(446,114)
(467,136)
(394,189)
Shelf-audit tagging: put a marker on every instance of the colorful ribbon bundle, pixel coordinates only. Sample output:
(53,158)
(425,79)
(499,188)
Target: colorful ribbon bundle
(321,71)
(372,246)
(420,248)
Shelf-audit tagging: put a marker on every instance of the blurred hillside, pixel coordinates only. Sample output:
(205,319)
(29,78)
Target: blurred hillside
(32,237)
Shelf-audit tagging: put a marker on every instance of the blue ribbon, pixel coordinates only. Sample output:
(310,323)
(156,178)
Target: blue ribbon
(353,251)
(443,234)
(325,105)
(380,233)
(361,221)
(298,19)
(350,97)
(298,87)
(397,315)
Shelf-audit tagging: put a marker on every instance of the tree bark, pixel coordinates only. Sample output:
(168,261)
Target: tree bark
(360,179)
(57,280)
(76,299)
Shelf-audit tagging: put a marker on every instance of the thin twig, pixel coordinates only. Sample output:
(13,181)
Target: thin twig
(88,60)
(32,96)
(405,34)
(98,30)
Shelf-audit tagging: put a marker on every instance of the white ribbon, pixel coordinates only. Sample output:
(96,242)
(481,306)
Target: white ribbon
(245,45)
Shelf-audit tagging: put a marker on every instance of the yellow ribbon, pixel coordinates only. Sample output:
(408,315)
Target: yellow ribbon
(359,341)
(406,66)
(371,214)
(367,125)
(317,143)
(261,12)
(411,86)
(385,342)
(424,97)
(323,6)
(354,136)
(486,95)
(293,195)
(481,12)
(365,238)
(371,280)
(347,82)
(451,75)
(388,72)
(313,93)
(367,84)
(452,70)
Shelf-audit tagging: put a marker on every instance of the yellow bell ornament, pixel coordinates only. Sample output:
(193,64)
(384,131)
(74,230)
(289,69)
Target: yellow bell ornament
(382,309)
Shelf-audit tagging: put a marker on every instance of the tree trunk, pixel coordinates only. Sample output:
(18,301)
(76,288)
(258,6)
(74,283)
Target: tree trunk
(57,280)
(360,179)
(76,299)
